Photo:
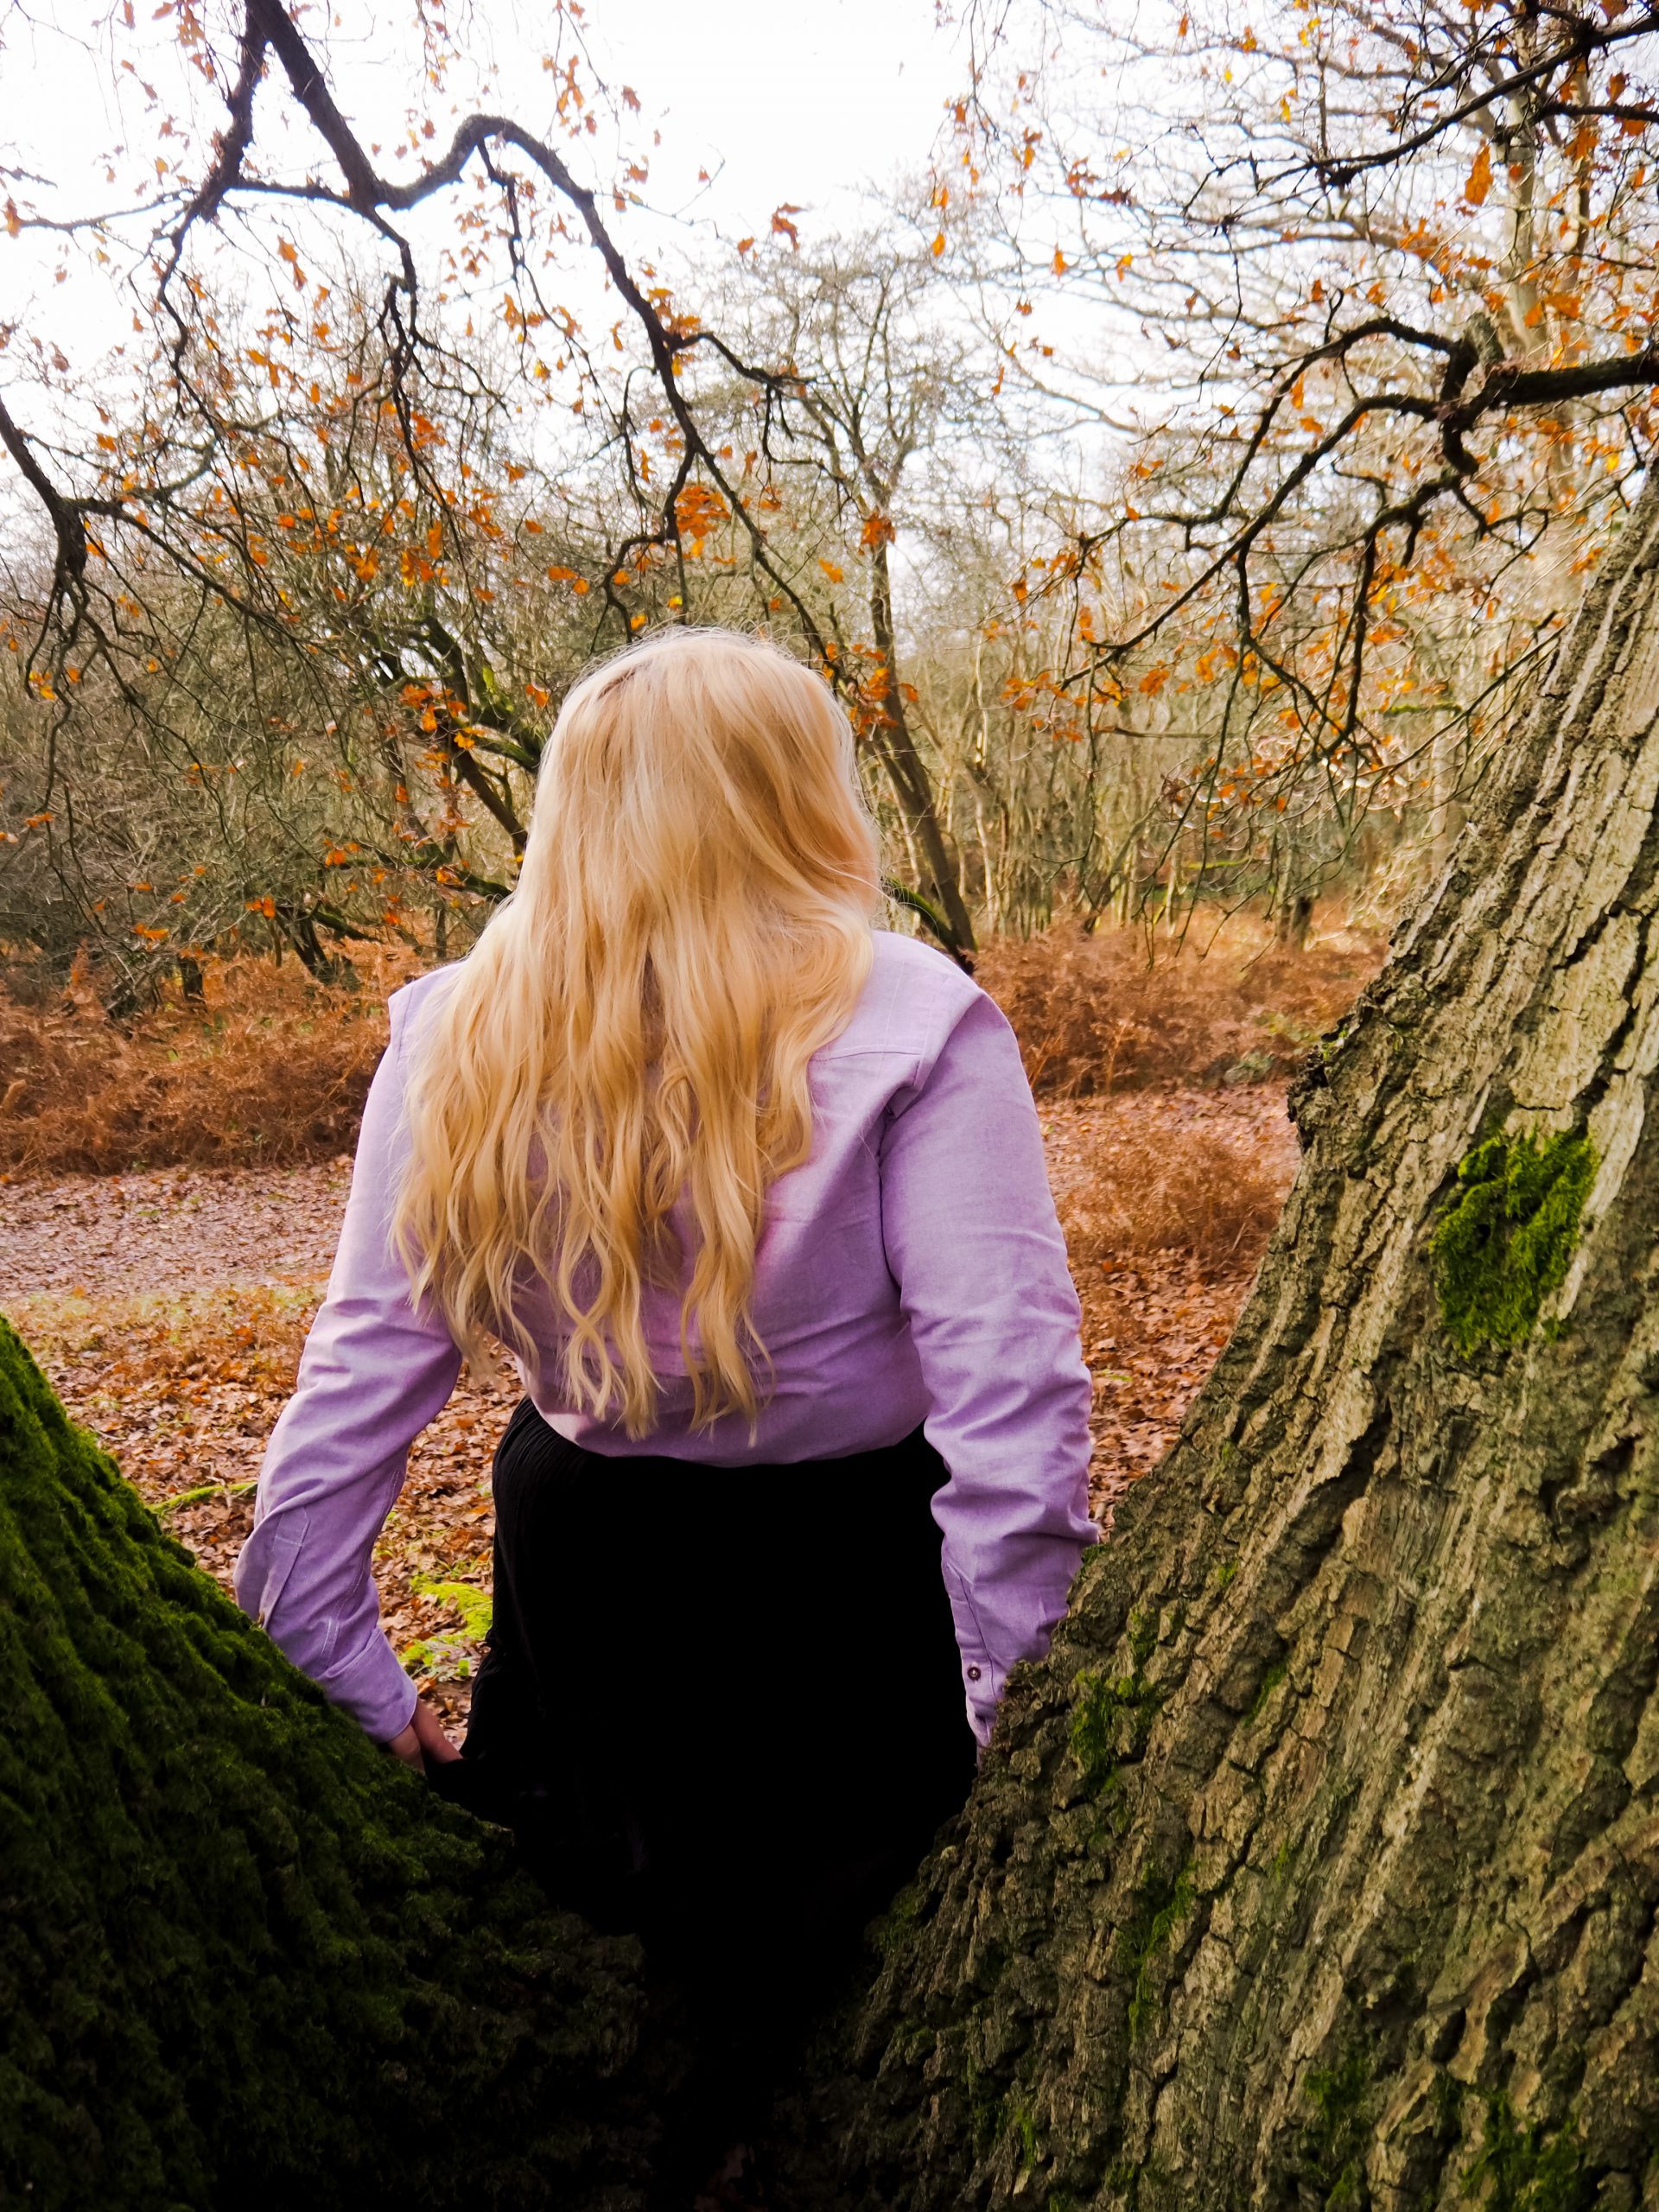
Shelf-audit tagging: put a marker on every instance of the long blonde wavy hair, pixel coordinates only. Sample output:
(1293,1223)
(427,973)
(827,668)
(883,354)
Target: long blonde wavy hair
(691,922)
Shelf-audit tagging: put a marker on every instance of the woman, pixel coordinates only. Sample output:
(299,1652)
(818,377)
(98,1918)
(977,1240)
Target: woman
(755,1196)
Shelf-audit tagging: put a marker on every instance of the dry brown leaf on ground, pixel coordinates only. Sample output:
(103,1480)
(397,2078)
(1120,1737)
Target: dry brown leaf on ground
(1124,1009)
(1167,1200)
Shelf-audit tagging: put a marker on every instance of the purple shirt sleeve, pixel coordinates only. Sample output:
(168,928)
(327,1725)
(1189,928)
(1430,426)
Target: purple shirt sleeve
(373,1373)
(977,1251)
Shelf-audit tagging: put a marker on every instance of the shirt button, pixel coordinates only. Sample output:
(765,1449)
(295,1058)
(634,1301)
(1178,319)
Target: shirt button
(973,1673)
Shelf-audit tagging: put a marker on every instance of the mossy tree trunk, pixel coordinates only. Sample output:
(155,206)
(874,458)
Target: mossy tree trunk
(245,1958)
(1319,1864)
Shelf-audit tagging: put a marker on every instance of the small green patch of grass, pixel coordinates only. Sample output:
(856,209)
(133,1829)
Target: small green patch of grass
(451,1656)
(204,1490)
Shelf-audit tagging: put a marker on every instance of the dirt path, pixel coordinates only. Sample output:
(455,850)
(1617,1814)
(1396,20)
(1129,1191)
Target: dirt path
(186,1231)
(171,1229)
(169,1309)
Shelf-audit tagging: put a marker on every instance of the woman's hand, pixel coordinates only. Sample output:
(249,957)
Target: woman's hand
(424,1739)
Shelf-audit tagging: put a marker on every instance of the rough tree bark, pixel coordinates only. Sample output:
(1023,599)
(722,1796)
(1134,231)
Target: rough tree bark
(247,1959)
(1319,1864)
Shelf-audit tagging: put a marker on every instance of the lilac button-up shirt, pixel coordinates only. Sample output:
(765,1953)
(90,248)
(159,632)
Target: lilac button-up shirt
(912,1272)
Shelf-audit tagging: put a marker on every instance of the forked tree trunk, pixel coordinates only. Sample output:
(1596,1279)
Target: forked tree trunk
(1319,1864)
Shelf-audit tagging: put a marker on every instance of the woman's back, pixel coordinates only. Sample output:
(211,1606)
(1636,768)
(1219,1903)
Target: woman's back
(925,1170)
(757,1195)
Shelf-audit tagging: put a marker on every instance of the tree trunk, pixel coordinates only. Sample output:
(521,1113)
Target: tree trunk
(912,787)
(1319,1864)
(245,1958)
(1293,917)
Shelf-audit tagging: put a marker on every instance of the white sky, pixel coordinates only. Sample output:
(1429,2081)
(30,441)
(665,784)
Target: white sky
(800,104)
(806,106)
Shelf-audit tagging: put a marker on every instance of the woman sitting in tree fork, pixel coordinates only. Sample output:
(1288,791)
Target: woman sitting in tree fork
(754,1194)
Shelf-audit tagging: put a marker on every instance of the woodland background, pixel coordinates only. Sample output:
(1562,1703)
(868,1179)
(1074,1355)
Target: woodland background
(1104,463)
(1117,466)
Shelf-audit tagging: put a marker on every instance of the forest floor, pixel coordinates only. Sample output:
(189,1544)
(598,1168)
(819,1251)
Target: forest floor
(169,1305)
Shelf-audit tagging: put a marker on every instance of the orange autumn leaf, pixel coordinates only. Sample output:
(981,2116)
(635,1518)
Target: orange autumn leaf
(699,509)
(1479,182)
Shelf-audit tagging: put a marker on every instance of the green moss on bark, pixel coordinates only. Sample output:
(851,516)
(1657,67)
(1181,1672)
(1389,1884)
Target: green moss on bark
(245,1956)
(1333,2145)
(1503,1243)
(1113,1715)
(1528,2169)
(1265,1689)
(1160,1907)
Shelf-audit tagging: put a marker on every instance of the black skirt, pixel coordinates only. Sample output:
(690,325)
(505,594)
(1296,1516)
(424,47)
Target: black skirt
(721,1706)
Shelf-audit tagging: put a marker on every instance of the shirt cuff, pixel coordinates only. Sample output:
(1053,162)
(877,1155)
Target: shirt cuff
(373,1688)
(984,1684)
